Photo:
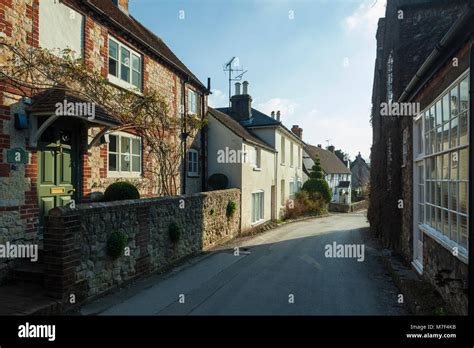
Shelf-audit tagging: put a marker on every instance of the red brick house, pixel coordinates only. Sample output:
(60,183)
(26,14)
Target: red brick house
(70,158)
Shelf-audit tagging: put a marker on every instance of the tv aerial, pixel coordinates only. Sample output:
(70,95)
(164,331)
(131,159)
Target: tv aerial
(233,67)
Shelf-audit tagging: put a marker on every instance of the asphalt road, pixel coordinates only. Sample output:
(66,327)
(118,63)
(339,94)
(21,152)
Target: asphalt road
(284,271)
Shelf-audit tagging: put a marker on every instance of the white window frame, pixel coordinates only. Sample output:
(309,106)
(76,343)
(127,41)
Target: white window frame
(117,80)
(292,155)
(119,173)
(292,188)
(192,102)
(425,156)
(282,150)
(261,208)
(193,163)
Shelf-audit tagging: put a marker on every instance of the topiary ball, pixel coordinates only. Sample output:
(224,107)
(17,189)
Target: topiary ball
(121,190)
(218,181)
(231,208)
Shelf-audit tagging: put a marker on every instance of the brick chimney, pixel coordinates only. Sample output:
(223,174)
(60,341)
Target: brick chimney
(122,5)
(331,148)
(297,130)
(241,104)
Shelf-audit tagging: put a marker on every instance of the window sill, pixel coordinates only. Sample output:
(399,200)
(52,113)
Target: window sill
(122,84)
(257,169)
(283,164)
(258,222)
(445,242)
(115,175)
(193,175)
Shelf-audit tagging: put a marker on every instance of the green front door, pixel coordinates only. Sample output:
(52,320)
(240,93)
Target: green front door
(55,171)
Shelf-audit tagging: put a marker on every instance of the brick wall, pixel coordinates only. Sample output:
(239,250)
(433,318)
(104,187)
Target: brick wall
(76,260)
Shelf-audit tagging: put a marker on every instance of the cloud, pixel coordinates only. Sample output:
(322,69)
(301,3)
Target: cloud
(365,17)
(218,99)
(286,107)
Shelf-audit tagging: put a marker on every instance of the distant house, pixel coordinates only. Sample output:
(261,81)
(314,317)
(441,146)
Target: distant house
(270,170)
(360,174)
(336,173)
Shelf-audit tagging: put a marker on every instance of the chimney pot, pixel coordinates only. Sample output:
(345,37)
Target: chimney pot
(245,88)
(278,115)
(319,145)
(122,5)
(237,88)
(273,114)
(297,131)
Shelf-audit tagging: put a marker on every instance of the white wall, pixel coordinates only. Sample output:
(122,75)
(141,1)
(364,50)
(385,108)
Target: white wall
(60,27)
(242,175)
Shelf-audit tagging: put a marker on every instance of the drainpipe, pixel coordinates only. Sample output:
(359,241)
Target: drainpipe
(471,190)
(204,138)
(184,135)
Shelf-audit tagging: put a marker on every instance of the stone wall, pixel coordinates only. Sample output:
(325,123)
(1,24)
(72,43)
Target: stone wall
(75,242)
(447,273)
(339,208)
(359,205)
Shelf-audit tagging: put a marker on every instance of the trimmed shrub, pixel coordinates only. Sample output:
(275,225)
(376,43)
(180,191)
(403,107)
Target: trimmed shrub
(218,181)
(119,191)
(116,244)
(174,231)
(231,208)
(316,184)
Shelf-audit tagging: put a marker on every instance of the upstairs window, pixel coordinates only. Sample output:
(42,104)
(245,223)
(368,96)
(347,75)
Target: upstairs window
(125,65)
(292,155)
(282,150)
(192,102)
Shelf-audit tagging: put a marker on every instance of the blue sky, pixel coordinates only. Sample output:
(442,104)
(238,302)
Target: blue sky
(311,59)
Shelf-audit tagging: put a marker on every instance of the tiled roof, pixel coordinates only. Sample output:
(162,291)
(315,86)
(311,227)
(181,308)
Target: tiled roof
(330,163)
(114,15)
(46,102)
(238,129)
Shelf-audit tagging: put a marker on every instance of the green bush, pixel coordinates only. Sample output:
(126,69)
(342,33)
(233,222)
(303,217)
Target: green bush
(174,232)
(116,244)
(218,181)
(231,208)
(121,190)
(316,184)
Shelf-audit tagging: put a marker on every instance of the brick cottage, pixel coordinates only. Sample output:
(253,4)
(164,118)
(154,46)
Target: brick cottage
(73,157)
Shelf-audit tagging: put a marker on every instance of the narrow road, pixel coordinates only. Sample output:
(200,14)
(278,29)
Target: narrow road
(284,271)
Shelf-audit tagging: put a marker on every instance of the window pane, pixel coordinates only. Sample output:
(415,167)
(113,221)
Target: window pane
(445,139)
(445,224)
(464,94)
(454,96)
(463,164)
(454,132)
(438,193)
(446,107)
(136,63)
(125,66)
(438,219)
(454,156)
(124,145)
(112,143)
(113,49)
(125,163)
(113,67)
(463,201)
(444,195)
(445,170)
(433,192)
(125,73)
(432,117)
(463,129)
(432,166)
(439,165)
(125,57)
(136,163)
(453,204)
(454,227)
(136,79)
(439,115)
(463,231)
(427,121)
(136,148)
(432,141)
(112,162)
(439,139)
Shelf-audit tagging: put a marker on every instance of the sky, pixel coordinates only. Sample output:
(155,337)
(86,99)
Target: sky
(311,59)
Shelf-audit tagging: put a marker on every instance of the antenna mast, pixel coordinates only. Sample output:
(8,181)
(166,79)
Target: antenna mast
(232,68)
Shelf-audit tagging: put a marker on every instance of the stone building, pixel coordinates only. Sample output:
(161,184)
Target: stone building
(71,158)
(360,179)
(420,160)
